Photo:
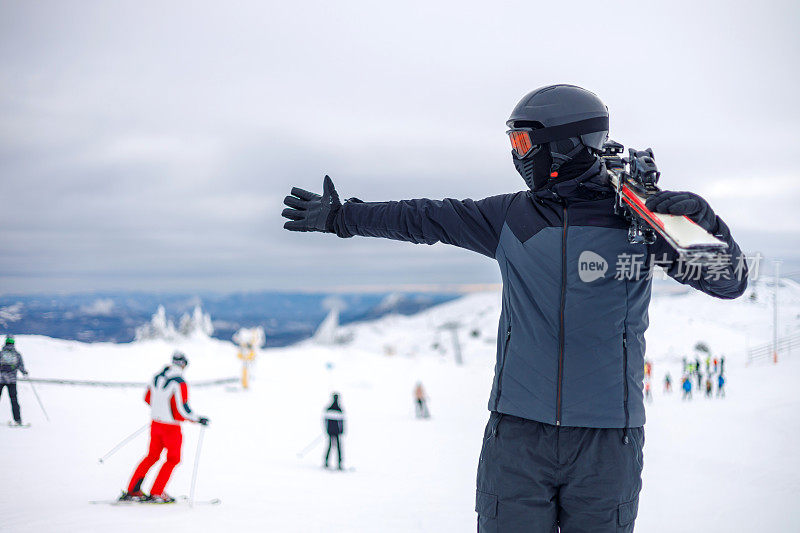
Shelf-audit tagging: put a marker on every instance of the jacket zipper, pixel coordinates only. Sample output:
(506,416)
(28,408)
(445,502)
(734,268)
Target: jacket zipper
(502,365)
(561,315)
(625,381)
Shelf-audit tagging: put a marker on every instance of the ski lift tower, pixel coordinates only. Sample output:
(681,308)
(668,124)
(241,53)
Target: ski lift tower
(453,328)
(776,283)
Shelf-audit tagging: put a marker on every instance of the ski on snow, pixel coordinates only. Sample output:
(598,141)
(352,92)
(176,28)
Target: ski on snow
(183,500)
(15,425)
(634,179)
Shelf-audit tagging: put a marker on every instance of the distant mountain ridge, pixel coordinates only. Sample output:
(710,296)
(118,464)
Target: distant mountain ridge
(115,316)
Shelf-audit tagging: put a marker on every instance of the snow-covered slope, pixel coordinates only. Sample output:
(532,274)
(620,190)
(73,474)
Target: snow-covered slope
(710,465)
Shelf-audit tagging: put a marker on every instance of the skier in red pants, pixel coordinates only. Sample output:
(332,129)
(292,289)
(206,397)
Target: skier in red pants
(168,397)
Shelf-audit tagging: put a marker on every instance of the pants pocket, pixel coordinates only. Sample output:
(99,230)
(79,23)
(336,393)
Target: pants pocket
(491,426)
(488,435)
(486,507)
(626,512)
(637,439)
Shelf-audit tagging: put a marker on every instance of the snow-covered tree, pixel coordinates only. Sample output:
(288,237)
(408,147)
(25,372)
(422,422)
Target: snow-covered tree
(159,327)
(326,331)
(197,323)
(190,325)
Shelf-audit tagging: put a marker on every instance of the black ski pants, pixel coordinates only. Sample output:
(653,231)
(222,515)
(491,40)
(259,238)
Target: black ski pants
(539,478)
(12,392)
(334,439)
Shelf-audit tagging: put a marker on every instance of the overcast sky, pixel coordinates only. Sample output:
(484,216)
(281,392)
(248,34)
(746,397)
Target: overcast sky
(149,145)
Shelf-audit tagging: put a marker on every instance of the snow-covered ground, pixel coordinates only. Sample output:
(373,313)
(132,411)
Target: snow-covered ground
(710,465)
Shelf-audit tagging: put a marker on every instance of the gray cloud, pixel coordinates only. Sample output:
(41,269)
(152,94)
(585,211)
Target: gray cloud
(149,145)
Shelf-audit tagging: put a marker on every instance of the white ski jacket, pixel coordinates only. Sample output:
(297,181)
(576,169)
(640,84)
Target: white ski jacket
(168,397)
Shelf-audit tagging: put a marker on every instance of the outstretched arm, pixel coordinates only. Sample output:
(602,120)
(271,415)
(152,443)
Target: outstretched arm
(470,224)
(21,364)
(181,403)
(726,278)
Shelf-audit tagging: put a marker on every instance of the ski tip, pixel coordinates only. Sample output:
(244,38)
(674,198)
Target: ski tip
(185,499)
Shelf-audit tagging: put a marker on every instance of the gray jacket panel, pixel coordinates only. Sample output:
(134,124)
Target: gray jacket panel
(597,314)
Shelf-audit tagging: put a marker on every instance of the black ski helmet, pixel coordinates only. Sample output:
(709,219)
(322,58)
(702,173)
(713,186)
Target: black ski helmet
(564,118)
(179,359)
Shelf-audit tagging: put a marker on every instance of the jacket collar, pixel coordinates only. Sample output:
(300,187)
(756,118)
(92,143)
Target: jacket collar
(587,185)
(173,371)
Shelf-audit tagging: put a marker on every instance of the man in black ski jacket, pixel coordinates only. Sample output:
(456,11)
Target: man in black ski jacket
(334,427)
(563,445)
(11,363)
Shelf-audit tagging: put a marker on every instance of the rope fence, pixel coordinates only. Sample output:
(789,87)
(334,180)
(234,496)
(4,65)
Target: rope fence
(122,384)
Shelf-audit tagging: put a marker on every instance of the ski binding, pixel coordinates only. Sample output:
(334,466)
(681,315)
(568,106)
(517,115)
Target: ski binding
(634,179)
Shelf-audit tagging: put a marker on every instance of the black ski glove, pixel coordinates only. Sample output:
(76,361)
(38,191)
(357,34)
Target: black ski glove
(203,421)
(308,211)
(684,203)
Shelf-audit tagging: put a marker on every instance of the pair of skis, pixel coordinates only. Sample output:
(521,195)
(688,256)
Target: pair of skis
(634,179)
(179,500)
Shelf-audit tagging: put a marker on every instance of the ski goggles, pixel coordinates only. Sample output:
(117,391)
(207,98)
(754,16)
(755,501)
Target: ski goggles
(527,140)
(521,142)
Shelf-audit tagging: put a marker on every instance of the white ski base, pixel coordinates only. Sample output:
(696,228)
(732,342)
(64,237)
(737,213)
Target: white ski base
(682,233)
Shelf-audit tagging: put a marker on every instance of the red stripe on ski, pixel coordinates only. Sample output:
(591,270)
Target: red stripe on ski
(642,210)
(639,206)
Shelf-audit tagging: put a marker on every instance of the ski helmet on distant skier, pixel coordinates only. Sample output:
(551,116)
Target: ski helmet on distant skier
(552,125)
(179,359)
(9,340)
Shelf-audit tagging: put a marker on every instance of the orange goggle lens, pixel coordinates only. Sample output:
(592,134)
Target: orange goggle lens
(520,142)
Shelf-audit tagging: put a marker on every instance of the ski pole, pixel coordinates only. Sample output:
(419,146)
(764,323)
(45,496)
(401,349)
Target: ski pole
(124,441)
(196,464)
(310,447)
(38,399)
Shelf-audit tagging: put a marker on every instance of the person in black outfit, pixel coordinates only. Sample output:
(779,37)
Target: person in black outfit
(562,447)
(334,426)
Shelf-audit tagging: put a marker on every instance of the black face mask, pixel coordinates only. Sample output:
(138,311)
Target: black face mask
(535,168)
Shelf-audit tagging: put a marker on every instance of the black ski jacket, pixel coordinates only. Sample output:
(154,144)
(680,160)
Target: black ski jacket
(570,344)
(334,420)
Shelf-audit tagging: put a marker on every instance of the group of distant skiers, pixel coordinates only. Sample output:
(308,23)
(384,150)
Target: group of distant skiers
(715,374)
(692,370)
